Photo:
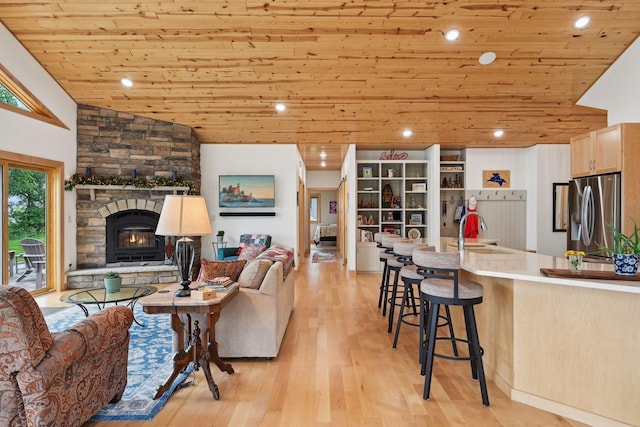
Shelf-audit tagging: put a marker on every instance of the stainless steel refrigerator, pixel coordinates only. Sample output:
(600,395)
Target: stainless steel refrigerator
(594,203)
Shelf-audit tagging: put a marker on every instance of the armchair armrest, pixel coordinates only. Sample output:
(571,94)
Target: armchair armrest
(227,252)
(104,328)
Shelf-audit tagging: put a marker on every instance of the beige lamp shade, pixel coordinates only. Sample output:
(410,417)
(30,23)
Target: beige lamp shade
(184,216)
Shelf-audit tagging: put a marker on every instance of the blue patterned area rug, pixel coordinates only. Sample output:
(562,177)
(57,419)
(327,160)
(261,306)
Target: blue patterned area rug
(150,364)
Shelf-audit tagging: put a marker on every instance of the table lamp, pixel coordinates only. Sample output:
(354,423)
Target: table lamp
(183,216)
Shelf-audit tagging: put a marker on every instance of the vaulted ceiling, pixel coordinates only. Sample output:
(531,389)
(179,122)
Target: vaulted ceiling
(357,72)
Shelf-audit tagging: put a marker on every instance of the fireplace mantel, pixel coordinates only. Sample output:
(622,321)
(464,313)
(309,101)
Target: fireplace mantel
(92,189)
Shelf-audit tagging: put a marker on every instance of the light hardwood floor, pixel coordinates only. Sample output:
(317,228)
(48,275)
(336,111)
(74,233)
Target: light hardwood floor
(337,368)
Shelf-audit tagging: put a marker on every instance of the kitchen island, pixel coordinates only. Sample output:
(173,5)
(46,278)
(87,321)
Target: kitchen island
(567,346)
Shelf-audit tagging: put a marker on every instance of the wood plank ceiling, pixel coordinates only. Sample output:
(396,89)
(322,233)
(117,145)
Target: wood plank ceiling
(355,72)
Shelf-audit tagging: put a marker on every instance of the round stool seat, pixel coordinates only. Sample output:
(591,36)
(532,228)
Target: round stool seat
(410,272)
(441,288)
(385,255)
(394,263)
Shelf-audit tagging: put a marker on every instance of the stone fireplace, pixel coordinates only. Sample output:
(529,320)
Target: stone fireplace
(115,224)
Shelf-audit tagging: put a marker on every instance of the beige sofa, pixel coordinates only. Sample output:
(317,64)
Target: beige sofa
(254,322)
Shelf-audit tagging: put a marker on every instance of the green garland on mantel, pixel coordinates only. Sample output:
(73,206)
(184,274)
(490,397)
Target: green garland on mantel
(156,181)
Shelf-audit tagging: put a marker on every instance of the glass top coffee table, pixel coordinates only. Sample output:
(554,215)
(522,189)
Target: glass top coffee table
(100,297)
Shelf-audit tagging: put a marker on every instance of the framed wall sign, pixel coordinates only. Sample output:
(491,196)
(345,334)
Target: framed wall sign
(496,179)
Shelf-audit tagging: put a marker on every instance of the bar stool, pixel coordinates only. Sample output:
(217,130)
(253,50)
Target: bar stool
(402,258)
(387,245)
(410,277)
(443,287)
(414,275)
(384,256)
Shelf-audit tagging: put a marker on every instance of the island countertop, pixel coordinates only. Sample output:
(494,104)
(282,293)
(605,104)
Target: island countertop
(568,346)
(497,261)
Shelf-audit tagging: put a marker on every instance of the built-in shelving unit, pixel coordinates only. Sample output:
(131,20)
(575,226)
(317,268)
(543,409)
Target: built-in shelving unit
(392,196)
(452,185)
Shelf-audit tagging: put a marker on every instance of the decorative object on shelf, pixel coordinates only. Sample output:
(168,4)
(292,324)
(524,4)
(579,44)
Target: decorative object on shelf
(496,179)
(220,236)
(156,181)
(184,216)
(112,282)
(391,173)
(624,251)
(87,172)
(174,174)
(387,196)
(393,155)
(371,221)
(575,260)
(134,173)
(415,219)
(414,233)
(421,186)
(367,172)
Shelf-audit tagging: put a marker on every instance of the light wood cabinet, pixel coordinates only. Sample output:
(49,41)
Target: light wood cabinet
(597,152)
(612,149)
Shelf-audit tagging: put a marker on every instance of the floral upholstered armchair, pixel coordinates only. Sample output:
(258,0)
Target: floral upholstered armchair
(58,379)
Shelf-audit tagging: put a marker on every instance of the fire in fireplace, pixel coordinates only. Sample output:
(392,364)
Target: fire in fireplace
(131,237)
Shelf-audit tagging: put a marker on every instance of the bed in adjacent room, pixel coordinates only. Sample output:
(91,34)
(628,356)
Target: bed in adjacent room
(325,233)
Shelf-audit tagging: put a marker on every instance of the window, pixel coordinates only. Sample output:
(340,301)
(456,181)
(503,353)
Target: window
(14,97)
(9,98)
(314,208)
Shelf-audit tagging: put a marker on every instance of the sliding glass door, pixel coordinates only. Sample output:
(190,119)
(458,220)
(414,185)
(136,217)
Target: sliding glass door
(25,230)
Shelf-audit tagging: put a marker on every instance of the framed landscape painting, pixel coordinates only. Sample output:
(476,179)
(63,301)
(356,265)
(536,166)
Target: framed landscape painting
(247,191)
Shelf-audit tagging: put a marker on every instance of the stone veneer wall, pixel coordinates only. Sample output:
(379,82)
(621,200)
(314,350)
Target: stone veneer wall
(113,143)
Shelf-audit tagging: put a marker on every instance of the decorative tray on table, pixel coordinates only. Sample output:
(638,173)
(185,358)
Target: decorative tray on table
(586,274)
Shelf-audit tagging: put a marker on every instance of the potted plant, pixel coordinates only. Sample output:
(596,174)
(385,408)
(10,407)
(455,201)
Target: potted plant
(624,251)
(220,236)
(112,282)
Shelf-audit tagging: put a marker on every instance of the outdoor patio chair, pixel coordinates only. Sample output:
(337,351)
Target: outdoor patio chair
(34,259)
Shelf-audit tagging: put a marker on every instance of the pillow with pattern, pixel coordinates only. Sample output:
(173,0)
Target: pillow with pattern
(209,270)
(250,252)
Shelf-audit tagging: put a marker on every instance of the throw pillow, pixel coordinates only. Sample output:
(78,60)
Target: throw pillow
(209,270)
(253,273)
(250,252)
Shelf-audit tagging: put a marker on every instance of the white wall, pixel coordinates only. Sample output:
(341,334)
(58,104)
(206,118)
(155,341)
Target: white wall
(552,165)
(323,179)
(618,89)
(24,135)
(280,160)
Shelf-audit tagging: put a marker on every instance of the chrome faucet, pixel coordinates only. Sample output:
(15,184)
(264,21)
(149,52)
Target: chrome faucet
(463,221)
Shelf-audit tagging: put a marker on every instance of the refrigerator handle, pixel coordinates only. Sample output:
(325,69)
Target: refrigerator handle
(587,215)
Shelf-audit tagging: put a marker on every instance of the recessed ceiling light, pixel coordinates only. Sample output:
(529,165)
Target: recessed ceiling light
(323,164)
(280,107)
(498,133)
(582,22)
(407,133)
(126,82)
(452,35)
(323,155)
(487,58)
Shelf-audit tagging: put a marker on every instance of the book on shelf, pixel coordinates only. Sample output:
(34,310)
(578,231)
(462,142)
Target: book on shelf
(366,236)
